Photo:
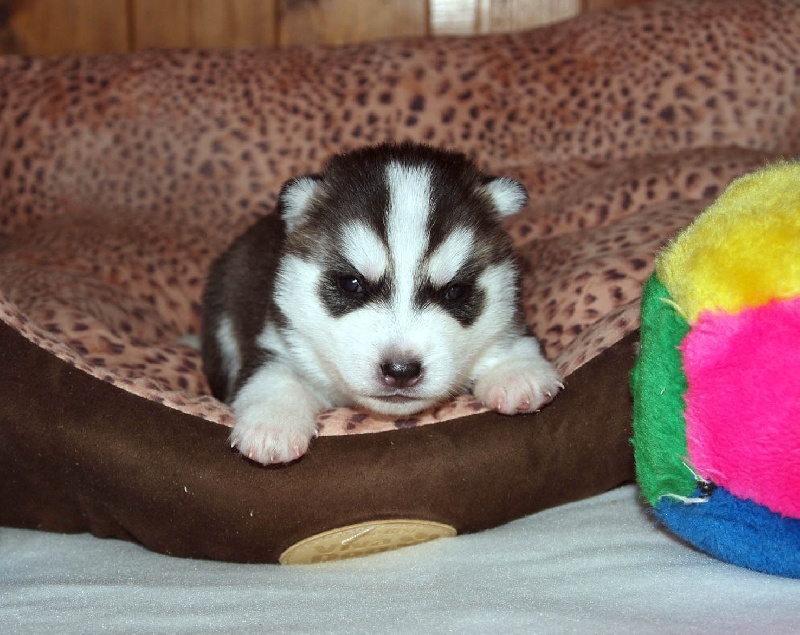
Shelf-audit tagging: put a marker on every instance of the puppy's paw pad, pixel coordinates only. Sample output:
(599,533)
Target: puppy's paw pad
(518,388)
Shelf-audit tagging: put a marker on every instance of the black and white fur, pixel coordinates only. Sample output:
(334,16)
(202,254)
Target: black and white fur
(387,283)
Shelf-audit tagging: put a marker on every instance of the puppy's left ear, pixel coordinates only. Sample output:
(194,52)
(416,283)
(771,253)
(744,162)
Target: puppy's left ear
(295,198)
(508,195)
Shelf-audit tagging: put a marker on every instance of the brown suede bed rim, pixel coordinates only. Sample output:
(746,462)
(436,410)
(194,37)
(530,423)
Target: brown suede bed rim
(80,455)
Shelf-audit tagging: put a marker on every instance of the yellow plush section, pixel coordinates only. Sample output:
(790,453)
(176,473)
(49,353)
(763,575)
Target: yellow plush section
(743,250)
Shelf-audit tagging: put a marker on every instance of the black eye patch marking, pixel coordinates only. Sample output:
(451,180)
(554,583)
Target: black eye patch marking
(351,284)
(461,297)
(343,289)
(457,292)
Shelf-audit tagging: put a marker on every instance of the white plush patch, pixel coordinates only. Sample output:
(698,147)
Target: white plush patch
(450,256)
(295,198)
(229,347)
(365,251)
(507,195)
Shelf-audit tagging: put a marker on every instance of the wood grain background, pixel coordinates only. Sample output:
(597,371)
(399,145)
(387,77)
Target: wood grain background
(58,27)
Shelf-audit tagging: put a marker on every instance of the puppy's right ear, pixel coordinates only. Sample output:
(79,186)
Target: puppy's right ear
(507,194)
(295,198)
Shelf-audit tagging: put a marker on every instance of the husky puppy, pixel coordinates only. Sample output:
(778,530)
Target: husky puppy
(386,282)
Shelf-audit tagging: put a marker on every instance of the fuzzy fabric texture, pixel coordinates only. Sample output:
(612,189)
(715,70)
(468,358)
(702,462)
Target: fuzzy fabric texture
(743,250)
(658,385)
(736,531)
(716,397)
(743,402)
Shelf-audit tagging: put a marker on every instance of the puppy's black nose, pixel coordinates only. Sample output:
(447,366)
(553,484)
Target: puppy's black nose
(401,374)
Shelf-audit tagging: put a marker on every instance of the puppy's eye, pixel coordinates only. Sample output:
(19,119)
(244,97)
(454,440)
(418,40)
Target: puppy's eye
(350,284)
(456,292)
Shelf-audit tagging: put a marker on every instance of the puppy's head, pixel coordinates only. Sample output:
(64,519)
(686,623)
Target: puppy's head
(397,276)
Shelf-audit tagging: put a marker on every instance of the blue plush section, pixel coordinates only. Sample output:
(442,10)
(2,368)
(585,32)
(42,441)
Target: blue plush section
(736,531)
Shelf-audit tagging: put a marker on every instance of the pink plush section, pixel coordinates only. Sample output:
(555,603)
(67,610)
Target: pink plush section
(743,402)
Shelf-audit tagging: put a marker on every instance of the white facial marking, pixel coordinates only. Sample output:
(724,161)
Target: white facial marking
(407,229)
(319,347)
(450,256)
(296,198)
(498,282)
(365,251)
(507,195)
(229,347)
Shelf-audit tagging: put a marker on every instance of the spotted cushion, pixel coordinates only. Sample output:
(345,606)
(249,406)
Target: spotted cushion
(124,176)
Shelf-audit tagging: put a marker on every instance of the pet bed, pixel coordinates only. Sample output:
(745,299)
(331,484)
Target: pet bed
(123,176)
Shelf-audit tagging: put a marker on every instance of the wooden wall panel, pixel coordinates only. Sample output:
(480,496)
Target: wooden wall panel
(496,16)
(453,17)
(469,17)
(593,5)
(203,23)
(65,27)
(346,21)
(56,27)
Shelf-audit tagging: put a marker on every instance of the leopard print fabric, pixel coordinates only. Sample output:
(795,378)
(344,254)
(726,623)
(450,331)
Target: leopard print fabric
(124,176)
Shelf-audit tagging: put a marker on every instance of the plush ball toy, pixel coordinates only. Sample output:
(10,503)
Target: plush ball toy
(717,383)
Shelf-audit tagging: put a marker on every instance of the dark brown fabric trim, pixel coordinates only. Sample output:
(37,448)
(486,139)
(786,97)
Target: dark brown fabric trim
(80,455)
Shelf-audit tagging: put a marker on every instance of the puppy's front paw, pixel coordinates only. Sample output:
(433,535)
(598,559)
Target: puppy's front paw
(263,435)
(518,386)
(275,417)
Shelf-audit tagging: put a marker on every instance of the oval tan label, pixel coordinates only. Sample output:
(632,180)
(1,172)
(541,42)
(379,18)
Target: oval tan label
(364,539)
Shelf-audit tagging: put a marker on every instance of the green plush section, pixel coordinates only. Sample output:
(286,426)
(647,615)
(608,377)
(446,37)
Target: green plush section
(658,385)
